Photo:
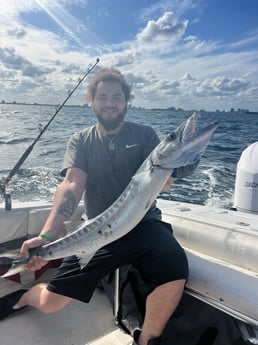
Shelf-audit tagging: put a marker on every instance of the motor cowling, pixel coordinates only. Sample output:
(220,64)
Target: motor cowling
(246,184)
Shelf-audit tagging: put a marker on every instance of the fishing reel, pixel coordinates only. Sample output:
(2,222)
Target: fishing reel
(6,197)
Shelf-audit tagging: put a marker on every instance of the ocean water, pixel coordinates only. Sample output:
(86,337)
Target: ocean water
(212,183)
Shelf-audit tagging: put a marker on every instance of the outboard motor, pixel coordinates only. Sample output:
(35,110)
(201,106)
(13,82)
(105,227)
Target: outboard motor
(246,184)
(246,200)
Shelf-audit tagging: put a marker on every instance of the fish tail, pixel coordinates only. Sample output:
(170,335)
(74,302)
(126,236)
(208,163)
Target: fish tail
(14,262)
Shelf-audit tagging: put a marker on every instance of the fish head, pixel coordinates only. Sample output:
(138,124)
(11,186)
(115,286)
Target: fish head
(184,146)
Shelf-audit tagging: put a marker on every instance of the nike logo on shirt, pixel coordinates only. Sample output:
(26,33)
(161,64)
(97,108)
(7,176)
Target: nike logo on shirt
(129,146)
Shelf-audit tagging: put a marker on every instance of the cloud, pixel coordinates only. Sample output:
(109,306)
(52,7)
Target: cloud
(20,89)
(194,46)
(127,58)
(134,78)
(11,60)
(250,40)
(163,29)
(190,90)
(17,32)
(168,85)
(165,65)
(33,71)
(178,7)
(73,68)
(222,87)
(187,77)
(7,74)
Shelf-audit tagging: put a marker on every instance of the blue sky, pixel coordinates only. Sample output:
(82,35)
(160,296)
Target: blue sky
(192,54)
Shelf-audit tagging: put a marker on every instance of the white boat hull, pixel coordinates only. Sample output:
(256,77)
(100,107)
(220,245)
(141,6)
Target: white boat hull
(222,249)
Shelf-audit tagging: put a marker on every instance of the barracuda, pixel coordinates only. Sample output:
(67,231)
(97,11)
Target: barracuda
(179,148)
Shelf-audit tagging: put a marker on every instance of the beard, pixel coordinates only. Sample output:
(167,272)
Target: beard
(110,124)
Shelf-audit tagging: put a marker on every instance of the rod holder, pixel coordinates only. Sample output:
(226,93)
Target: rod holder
(7,198)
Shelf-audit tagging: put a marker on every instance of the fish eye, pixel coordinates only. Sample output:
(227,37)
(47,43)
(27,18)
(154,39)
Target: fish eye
(171,136)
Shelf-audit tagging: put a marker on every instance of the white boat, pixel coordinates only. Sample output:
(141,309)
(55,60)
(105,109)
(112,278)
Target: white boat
(222,248)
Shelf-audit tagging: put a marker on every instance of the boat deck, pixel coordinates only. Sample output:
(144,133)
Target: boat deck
(77,324)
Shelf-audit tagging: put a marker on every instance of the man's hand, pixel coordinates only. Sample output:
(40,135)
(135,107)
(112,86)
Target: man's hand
(35,262)
(185,171)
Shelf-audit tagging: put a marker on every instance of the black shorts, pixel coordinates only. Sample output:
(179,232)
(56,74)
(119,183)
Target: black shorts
(150,247)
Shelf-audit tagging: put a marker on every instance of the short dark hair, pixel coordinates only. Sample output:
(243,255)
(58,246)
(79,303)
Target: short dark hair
(108,74)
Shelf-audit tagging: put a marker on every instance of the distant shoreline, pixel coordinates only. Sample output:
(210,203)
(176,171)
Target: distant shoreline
(45,104)
(252,112)
(242,111)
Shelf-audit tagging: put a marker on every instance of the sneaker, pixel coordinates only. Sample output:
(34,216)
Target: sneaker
(8,302)
(136,335)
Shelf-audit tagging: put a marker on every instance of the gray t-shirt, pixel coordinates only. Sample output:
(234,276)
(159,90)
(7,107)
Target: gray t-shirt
(109,171)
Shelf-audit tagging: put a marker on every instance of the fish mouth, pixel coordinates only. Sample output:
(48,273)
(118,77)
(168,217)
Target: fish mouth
(186,133)
(187,129)
(185,145)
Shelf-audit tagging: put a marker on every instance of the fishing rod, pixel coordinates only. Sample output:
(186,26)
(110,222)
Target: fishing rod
(5,182)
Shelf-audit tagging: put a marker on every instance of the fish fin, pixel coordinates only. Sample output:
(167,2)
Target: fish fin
(13,261)
(84,259)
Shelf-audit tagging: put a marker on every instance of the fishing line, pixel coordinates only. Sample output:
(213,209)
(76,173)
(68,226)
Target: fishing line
(42,129)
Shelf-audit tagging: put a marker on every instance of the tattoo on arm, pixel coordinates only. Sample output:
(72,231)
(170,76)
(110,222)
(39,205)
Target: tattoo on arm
(67,207)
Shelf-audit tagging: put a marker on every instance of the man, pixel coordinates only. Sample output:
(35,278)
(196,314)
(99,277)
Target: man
(100,161)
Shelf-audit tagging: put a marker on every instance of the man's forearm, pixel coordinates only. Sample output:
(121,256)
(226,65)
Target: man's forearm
(64,205)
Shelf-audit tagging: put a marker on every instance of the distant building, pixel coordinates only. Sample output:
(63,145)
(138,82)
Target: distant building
(171,108)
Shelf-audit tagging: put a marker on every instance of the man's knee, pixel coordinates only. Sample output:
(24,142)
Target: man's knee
(51,302)
(173,286)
